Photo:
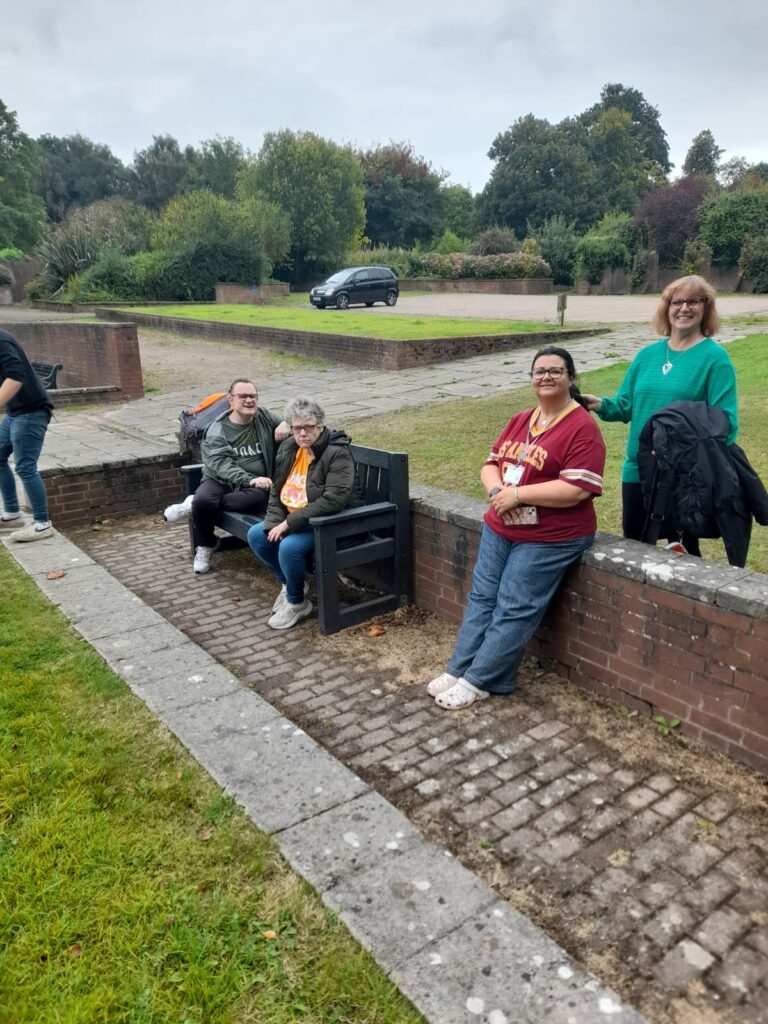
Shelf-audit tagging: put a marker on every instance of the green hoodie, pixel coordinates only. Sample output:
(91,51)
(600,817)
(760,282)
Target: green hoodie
(234,454)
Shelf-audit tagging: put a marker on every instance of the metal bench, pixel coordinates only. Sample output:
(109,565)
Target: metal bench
(371,544)
(47,373)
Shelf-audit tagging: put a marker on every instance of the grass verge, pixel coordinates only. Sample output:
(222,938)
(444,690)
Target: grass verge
(454,437)
(131,889)
(334,321)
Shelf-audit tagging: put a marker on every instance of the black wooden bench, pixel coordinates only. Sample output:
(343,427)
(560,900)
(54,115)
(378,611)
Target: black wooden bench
(371,544)
(47,373)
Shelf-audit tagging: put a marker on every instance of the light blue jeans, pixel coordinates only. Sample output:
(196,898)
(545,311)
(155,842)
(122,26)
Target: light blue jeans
(512,586)
(287,559)
(23,435)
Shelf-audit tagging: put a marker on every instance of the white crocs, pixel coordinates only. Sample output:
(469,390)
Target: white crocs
(441,683)
(460,696)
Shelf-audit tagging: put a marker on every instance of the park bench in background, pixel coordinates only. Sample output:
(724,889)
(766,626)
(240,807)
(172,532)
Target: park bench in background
(369,544)
(47,373)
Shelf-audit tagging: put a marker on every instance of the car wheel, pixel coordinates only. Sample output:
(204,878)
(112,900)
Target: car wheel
(391,298)
(369,303)
(342,301)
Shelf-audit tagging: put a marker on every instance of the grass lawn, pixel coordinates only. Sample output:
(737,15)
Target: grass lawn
(454,438)
(132,891)
(334,321)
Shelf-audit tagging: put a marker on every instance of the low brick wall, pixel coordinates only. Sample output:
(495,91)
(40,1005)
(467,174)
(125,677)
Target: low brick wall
(253,295)
(497,286)
(654,632)
(93,354)
(373,353)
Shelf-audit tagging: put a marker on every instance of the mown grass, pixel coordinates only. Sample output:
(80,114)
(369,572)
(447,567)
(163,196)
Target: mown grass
(334,321)
(132,891)
(448,442)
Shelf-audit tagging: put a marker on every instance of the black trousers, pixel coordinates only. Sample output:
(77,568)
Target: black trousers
(633,520)
(212,498)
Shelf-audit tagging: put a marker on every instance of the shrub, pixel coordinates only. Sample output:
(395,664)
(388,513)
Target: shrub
(380,256)
(448,243)
(494,240)
(557,242)
(697,259)
(465,265)
(68,251)
(605,246)
(753,261)
(191,274)
(11,253)
(726,219)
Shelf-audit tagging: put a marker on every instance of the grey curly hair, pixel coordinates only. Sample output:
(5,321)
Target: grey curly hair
(301,408)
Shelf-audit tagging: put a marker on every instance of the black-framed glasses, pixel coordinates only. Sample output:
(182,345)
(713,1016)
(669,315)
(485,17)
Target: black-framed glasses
(303,428)
(690,303)
(555,372)
(245,396)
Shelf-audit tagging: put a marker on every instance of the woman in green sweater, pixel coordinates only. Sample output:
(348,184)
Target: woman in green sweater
(686,365)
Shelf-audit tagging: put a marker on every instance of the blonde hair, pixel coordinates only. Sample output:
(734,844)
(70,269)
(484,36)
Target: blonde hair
(710,322)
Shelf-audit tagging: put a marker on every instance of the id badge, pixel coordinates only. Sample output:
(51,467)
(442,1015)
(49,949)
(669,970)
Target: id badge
(513,474)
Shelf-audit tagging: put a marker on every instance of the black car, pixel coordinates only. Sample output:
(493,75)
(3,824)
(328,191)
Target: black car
(356,285)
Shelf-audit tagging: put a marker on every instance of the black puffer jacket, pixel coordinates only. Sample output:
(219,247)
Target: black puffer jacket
(332,482)
(690,475)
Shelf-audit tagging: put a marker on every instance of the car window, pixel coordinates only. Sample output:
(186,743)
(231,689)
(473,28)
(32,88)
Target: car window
(340,278)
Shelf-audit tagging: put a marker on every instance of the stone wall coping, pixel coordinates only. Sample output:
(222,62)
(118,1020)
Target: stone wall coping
(162,458)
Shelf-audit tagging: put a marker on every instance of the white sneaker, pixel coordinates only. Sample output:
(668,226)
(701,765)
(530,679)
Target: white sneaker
(282,597)
(182,510)
(35,531)
(7,522)
(203,555)
(289,614)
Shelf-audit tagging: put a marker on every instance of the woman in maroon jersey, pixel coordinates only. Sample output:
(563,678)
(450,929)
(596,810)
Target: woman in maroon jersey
(542,476)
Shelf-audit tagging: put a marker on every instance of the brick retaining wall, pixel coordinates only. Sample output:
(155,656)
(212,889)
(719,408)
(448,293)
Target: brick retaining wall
(374,353)
(93,354)
(253,295)
(496,286)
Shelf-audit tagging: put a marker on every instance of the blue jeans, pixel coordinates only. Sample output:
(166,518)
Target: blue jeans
(23,435)
(512,586)
(287,559)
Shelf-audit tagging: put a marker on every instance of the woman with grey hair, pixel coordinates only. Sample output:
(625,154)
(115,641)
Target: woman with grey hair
(314,476)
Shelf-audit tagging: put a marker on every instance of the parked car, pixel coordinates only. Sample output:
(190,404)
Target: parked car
(356,286)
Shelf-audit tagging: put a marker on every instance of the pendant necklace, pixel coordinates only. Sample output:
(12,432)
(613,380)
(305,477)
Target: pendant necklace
(667,366)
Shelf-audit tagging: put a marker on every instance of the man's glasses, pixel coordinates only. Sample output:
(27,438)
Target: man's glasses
(555,372)
(245,396)
(690,303)
(304,428)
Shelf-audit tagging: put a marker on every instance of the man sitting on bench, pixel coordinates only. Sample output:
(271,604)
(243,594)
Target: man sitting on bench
(238,462)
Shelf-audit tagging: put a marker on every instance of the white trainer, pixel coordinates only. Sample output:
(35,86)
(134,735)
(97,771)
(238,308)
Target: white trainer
(35,531)
(11,522)
(182,510)
(203,555)
(282,597)
(289,614)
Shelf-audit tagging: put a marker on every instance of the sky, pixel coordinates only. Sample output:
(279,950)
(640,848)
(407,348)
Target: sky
(447,77)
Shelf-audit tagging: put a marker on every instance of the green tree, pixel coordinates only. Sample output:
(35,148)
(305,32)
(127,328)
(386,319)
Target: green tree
(76,172)
(404,198)
(215,166)
(115,223)
(541,170)
(22,213)
(319,184)
(557,239)
(624,173)
(727,219)
(647,133)
(159,171)
(459,210)
(703,157)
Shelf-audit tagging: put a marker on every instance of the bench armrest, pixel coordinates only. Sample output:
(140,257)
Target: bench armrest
(348,515)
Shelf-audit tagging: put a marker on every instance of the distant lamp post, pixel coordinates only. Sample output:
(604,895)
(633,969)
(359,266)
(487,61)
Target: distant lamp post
(562,302)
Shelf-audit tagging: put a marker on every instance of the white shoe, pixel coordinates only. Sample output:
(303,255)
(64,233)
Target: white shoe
(182,510)
(282,597)
(462,695)
(15,523)
(35,531)
(289,614)
(441,683)
(203,555)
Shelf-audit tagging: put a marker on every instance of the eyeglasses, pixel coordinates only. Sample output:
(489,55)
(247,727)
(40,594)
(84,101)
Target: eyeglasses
(555,372)
(246,396)
(303,428)
(690,303)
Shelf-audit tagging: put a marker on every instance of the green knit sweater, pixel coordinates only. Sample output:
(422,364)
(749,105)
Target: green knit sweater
(703,373)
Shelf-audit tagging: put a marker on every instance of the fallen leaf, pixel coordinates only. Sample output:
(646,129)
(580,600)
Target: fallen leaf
(75,950)
(205,835)
(619,858)
(57,574)
(269,934)
(235,598)
(171,919)
(375,630)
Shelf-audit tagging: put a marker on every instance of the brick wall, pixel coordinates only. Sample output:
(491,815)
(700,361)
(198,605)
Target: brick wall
(499,286)
(253,295)
(376,353)
(655,632)
(93,354)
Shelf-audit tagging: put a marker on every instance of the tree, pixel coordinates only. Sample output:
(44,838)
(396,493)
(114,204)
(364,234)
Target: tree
(650,138)
(159,171)
(22,213)
(404,201)
(704,155)
(215,166)
(667,217)
(541,170)
(115,223)
(557,241)
(728,218)
(624,173)
(76,172)
(459,210)
(319,184)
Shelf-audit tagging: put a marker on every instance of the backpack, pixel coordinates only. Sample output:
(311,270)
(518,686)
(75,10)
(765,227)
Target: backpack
(193,423)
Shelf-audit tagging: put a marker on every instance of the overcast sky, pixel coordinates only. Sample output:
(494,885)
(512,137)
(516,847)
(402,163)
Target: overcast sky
(447,76)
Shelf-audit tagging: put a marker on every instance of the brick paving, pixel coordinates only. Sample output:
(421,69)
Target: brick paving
(656,879)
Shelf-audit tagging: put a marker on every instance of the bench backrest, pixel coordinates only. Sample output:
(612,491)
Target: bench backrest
(383,475)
